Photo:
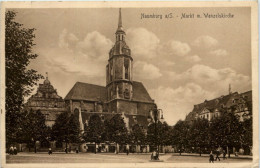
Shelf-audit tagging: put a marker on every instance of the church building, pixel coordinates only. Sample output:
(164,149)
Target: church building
(121,95)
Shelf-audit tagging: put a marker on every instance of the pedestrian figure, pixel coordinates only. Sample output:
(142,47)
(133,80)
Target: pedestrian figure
(224,155)
(153,156)
(127,149)
(77,150)
(15,150)
(211,157)
(157,155)
(11,150)
(217,155)
(96,148)
(50,151)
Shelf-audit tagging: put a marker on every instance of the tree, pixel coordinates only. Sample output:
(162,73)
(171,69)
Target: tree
(158,134)
(247,134)
(19,79)
(115,129)
(73,129)
(165,134)
(137,135)
(66,129)
(225,131)
(95,130)
(180,135)
(32,129)
(152,135)
(198,136)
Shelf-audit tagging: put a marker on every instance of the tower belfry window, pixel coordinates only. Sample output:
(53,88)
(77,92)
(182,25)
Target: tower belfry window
(111,71)
(126,65)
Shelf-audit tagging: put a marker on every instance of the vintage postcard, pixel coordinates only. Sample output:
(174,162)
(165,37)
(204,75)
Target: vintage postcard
(133,84)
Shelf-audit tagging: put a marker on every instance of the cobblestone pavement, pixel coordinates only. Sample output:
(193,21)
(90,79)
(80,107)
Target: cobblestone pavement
(110,158)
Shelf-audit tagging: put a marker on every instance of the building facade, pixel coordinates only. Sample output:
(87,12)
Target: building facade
(47,101)
(238,103)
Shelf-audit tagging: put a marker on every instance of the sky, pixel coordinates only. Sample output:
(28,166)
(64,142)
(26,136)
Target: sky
(181,62)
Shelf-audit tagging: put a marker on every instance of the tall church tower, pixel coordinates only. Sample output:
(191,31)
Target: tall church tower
(119,75)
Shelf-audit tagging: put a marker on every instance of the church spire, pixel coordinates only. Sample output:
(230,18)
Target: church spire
(120,19)
(120,25)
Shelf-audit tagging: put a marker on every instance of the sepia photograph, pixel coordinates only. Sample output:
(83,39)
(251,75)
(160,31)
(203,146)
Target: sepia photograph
(117,84)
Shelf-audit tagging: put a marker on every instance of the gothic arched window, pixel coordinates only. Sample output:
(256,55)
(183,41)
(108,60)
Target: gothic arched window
(111,71)
(126,65)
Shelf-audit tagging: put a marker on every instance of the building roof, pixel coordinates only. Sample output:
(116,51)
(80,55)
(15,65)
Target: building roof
(216,103)
(91,92)
(140,93)
(86,91)
(247,95)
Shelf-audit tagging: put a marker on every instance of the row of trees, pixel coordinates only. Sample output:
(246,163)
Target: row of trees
(112,130)
(199,136)
(203,136)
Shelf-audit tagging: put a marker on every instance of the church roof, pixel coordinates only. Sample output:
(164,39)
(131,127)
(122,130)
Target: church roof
(86,91)
(91,92)
(140,93)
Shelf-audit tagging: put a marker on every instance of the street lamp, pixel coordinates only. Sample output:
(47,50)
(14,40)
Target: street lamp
(154,112)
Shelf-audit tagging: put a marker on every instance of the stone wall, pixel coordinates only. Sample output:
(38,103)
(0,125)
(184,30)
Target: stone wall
(127,107)
(112,107)
(85,106)
(144,108)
